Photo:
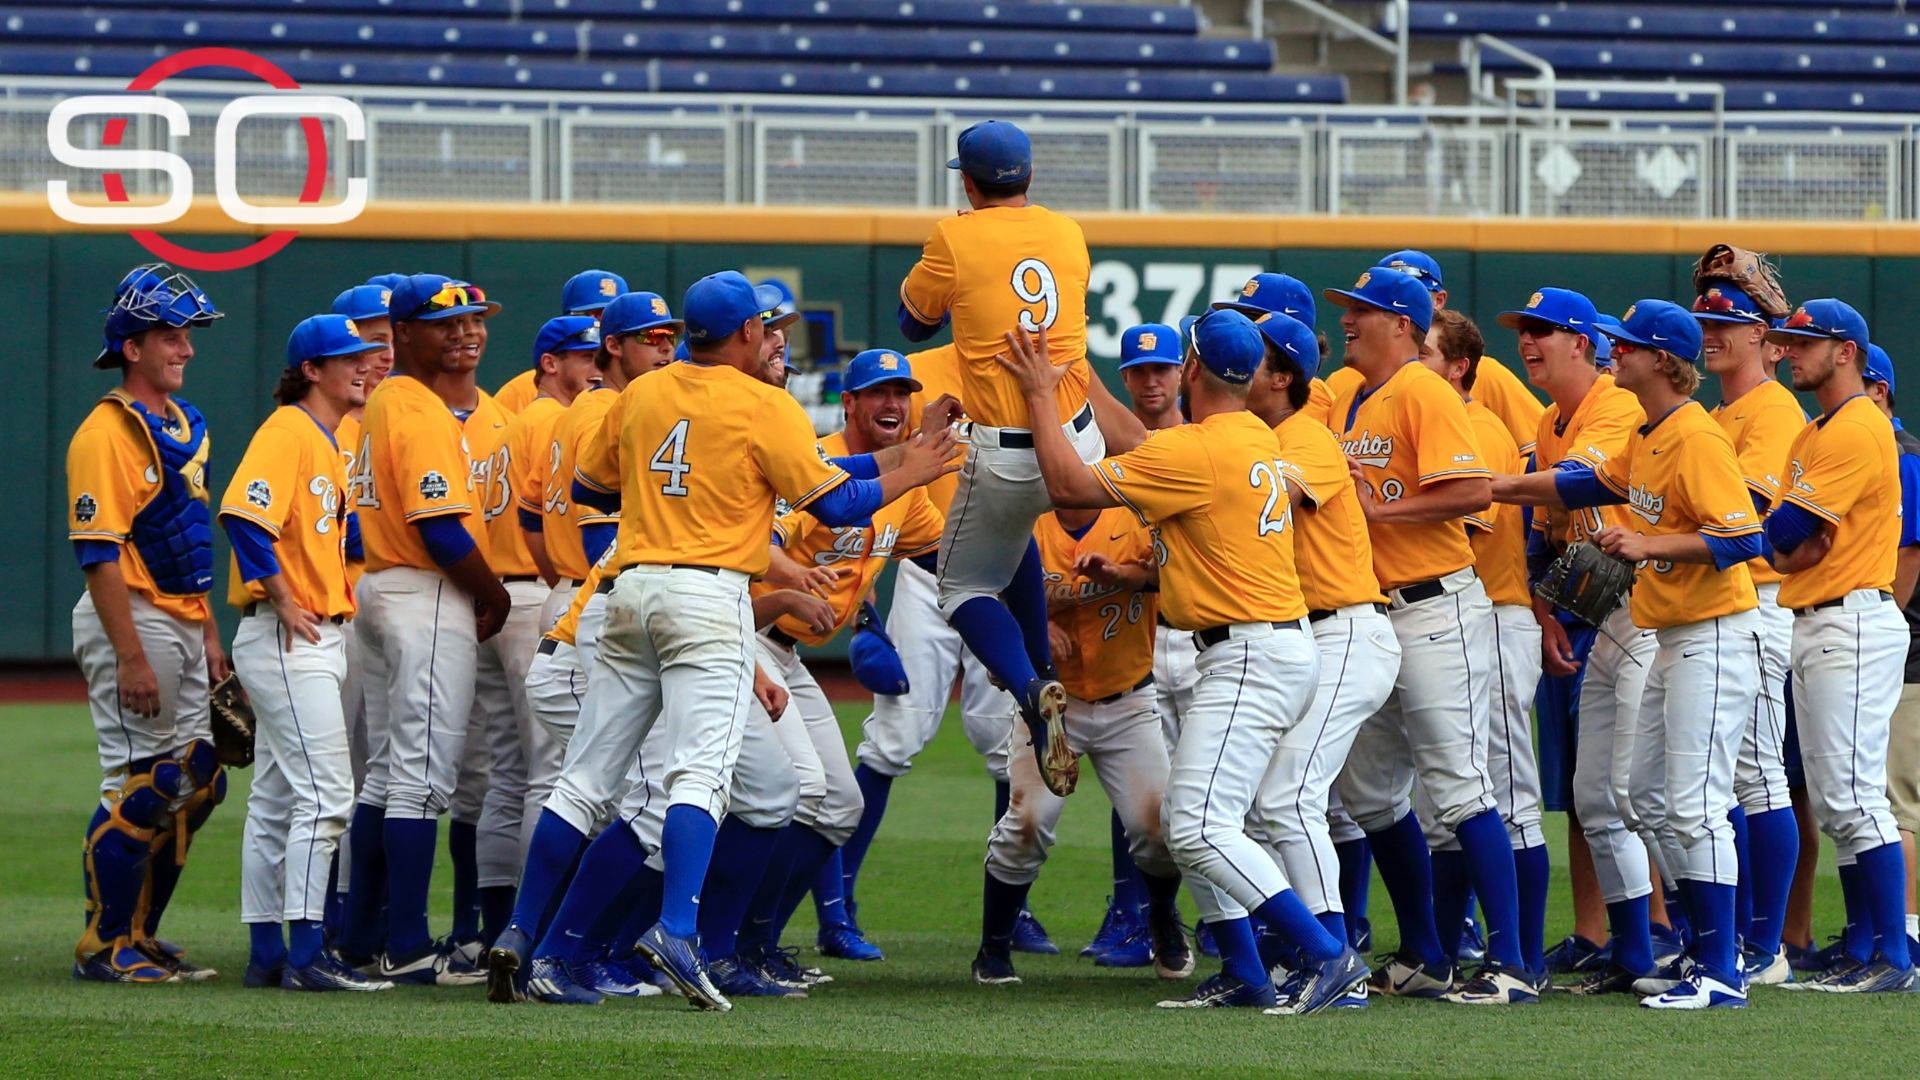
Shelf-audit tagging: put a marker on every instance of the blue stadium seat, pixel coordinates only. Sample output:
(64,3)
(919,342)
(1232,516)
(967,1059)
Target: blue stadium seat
(1662,22)
(1692,60)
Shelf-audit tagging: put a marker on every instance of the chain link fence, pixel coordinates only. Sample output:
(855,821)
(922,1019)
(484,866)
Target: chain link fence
(1850,177)
(647,159)
(1414,170)
(1601,174)
(1226,169)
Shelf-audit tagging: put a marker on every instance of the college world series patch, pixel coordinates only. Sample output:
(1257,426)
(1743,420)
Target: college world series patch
(433,486)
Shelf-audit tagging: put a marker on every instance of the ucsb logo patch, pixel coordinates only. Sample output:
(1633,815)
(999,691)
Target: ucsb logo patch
(1645,503)
(433,486)
(85,509)
(1374,450)
(259,494)
(329,497)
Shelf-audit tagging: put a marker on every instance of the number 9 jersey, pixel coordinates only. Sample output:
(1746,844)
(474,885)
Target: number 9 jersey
(993,269)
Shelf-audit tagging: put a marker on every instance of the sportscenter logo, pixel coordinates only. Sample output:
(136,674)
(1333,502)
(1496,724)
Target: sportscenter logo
(287,219)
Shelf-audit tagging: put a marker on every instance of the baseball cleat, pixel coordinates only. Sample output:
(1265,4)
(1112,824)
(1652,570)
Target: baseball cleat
(466,961)
(993,968)
(844,942)
(1699,991)
(1542,981)
(678,958)
(1764,970)
(1842,968)
(1030,937)
(1172,957)
(1044,704)
(505,962)
(1494,984)
(1472,948)
(263,978)
(616,980)
(1115,927)
(735,979)
(1133,951)
(174,958)
(779,965)
(1878,977)
(327,974)
(1612,979)
(125,964)
(1668,945)
(1576,955)
(1405,976)
(1223,991)
(1203,940)
(421,969)
(1330,984)
(1665,977)
(558,983)
(1810,959)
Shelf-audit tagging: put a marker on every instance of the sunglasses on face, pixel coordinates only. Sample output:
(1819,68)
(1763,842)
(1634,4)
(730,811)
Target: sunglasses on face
(659,337)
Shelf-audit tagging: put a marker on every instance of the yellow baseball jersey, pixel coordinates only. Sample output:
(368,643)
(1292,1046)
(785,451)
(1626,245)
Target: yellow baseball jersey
(517,393)
(1319,404)
(487,428)
(112,474)
(699,453)
(1596,433)
(1500,540)
(1411,432)
(1111,628)
(530,462)
(568,626)
(292,482)
(561,517)
(1215,492)
(412,465)
(1762,425)
(904,528)
(1845,469)
(347,435)
(1681,475)
(938,372)
(991,270)
(1340,383)
(1331,549)
(1507,397)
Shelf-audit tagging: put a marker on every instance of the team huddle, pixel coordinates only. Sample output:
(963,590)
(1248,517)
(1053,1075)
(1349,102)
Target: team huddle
(1301,627)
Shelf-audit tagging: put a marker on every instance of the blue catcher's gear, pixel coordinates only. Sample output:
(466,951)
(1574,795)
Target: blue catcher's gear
(871,654)
(173,532)
(147,297)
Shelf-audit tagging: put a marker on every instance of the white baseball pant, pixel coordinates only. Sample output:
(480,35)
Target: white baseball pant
(764,791)
(1253,688)
(1848,664)
(1760,773)
(177,651)
(931,652)
(302,792)
(1359,657)
(1121,737)
(830,799)
(1610,694)
(419,640)
(502,737)
(353,705)
(1511,761)
(1173,678)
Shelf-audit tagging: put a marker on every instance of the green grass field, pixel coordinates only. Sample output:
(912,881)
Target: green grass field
(916,1013)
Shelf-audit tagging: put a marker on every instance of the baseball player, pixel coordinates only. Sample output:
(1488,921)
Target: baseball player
(142,633)
(1420,472)
(1762,418)
(286,514)
(426,572)
(1835,535)
(585,293)
(1359,653)
(1215,490)
(700,451)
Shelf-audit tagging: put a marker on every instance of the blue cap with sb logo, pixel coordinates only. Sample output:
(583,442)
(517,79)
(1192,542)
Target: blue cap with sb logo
(1659,324)
(1391,291)
(1294,338)
(322,337)
(1417,263)
(631,313)
(589,291)
(1827,318)
(1563,308)
(363,302)
(1152,343)
(876,366)
(994,152)
(567,333)
(1283,293)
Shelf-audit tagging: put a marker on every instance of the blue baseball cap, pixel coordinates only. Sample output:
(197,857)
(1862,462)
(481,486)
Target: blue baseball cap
(568,333)
(776,305)
(1602,344)
(717,305)
(1262,293)
(429,297)
(633,312)
(994,152)
(1563,308)
(872,656)
(1151,343)
(681,352)
(1834,320)
(1879,367)
(1659,324)
(1293,337)
(1725,303)
(387,281)
(876,366)
(322,337)
(1229,345)
(1395,293)
(363,302)
(590,291)
(1417,263)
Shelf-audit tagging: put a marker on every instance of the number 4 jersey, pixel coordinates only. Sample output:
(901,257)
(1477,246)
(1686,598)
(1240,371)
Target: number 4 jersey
(412,465)
(1111,628)
(991,270)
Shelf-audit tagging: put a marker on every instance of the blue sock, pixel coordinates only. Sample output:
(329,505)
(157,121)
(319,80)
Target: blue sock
(1743,853)
(1000,905)
(990,630)
(812,861)
(606,869)
(1857,936)
(409,874)
(648,884)
(1128,890)
(1356,882)
(603,933)
(1452,898)
(1884,872)
(1284,912)
(829,886)
(462,839)
(1406,869)
(362,934)
(686,846)
(336,900)
(1026,600)
(266,948)
(1490,860)
(496,911)
(1239,953)
(305,938)
(874,788)
(1632,934)
(550,857)
(1532,873)
(759,929)
(1677,911)
(1774,838)
(1334,923)
(1714,944)
(740,854)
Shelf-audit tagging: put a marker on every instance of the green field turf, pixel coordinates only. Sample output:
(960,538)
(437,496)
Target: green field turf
(915,1013)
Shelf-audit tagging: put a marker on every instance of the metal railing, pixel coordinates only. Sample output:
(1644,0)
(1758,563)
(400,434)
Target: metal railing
(1493,158)
(1395,47)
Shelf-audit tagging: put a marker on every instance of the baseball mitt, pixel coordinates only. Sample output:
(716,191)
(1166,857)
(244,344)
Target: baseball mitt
(232,724)
(1749,271)
(1586,582)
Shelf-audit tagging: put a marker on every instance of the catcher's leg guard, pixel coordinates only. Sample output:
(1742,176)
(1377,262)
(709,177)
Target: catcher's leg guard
(116,862)
(208,781)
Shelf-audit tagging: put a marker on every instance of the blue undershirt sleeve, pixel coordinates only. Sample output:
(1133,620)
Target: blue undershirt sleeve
(914,330)
(252,549)
(1789,526)
(859,466)
(446,539)
(1580,488)
(597,537)
(604,501)
(532,520)
(848,504)
(356,543)
(1734,550)
(95,552)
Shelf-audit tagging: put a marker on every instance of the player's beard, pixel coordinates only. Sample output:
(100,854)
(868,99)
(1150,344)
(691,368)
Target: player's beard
(1186,395)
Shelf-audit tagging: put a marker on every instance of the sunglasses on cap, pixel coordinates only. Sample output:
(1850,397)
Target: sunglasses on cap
(1713,303)
(589,337)
(1803,320)
(452,295)
(1412,271)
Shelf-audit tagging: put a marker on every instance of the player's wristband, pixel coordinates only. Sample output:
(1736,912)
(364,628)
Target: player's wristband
(531,521)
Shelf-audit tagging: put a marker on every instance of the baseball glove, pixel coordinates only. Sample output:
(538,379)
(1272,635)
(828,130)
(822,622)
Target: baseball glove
(1586,582)
(232,724)
(1749,271)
